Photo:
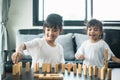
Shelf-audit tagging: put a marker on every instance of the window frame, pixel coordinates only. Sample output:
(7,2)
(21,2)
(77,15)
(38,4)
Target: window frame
(36,21)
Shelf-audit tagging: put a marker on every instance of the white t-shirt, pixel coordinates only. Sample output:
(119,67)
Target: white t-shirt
(94,52)
(41,52)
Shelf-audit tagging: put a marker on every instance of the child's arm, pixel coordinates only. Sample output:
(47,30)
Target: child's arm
(115,59)
(17,56)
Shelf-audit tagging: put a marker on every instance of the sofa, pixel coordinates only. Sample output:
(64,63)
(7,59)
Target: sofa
(71,40)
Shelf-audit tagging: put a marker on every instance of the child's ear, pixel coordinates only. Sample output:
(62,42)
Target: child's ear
(101,32)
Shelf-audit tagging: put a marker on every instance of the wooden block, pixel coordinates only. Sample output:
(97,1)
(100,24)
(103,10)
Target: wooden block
(63,68)
(27,66)
(56,68)
(90,70)
(74,68)
(85,70)
(106,64)
(37,67)
(99,72)
(102,73)
(79,69)
(106,54)
(94,70)
(49,76)
(109,74)
(44,67)
(14,68)
(19,65)
(48,68)
(37,75)
(69,68)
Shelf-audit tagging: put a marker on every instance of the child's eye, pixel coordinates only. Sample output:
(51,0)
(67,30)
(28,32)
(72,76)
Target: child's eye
(96,29)
(55,30)
(48,29)
(89,29)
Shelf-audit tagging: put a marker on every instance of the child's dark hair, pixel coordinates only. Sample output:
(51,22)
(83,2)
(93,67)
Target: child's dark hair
(53,21)
(95,23)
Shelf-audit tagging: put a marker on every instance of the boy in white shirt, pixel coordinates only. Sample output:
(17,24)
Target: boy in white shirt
(46,49)
(92,51)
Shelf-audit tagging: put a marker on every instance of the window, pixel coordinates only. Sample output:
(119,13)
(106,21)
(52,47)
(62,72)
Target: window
(77,12)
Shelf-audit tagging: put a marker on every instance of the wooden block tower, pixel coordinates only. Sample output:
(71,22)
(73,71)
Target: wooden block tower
(106,59)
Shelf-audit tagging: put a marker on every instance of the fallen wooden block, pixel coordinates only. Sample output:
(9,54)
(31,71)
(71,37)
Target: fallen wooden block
(49,76)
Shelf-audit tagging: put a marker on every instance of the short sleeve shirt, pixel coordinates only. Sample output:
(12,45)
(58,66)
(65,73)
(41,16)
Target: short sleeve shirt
(94,52)
(41,52)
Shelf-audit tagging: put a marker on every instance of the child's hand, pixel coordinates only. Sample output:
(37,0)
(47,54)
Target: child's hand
(81,57)
(16,56)
(70,65)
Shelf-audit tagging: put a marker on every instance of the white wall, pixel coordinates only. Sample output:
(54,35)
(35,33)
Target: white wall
(20,16)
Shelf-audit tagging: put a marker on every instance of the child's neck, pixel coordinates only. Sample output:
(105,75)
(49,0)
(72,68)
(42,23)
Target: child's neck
(51,43)
(94,40)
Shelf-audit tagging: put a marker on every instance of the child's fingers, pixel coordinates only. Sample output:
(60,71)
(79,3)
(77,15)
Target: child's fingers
(81,57)
(14,57)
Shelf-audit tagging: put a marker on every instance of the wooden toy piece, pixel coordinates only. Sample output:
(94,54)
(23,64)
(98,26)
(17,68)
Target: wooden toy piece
(90,70)
(69,68)
(44,67)
(14,69)
(109,74)
(19,65)
(99,72)
(102,73)
(94,70)
(56,68)
(49,76)
(85,70)
(48,68)
(27,66)
(74,68)
(79,69)
(63,68)
(106,64)
(36,75)
(106,54)
(35,67)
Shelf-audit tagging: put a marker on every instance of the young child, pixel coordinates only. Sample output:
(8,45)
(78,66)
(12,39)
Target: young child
(46,49)
(92,51)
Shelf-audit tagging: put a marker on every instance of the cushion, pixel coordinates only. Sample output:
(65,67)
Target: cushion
(20,38)
(66,41)
(80,38)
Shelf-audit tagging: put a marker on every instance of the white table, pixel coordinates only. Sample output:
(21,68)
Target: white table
(115,74)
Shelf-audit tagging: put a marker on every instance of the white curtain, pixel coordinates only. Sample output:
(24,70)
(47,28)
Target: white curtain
(4,8)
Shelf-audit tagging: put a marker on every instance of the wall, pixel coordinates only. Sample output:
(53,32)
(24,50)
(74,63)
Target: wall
(20,16)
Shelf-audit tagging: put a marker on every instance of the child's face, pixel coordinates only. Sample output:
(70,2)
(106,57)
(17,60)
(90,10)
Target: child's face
(51,34)
(94,33)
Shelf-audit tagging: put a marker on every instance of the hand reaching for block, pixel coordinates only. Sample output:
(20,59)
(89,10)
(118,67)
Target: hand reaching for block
(16,56)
